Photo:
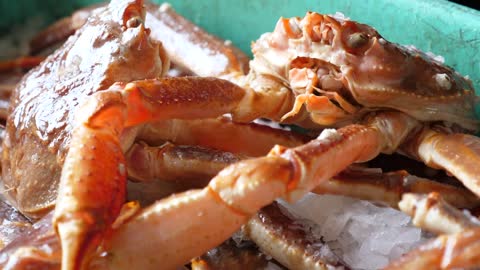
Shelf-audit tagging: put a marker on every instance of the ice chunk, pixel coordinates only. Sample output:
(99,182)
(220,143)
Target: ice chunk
(362,234)
(333,226)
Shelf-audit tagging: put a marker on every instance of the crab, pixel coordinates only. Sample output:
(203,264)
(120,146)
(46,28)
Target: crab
(315,71)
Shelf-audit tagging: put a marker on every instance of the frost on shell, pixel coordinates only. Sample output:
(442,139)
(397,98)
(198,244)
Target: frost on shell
(443,81)
(329,133)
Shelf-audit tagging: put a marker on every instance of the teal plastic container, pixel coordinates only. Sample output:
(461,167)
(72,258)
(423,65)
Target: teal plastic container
(438,26)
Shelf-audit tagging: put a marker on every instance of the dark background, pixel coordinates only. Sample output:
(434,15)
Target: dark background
(469,3)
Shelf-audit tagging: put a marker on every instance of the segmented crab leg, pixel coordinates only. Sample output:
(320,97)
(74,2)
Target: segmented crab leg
(457,249)
(458,154)
(173,162)
(82,214)
(345,181)
(246,139)
(432,213)
(191,47)
(290,242)
(199,153)
(236,193)
(374,185)
(454,251)
(170,162)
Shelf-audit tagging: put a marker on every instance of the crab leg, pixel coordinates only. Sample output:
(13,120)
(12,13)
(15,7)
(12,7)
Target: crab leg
(235,194)
(454,251)
(247,139)
(212,151)
(290,242)
(346,181)
(374,185)
(458,154)
(82,214)
(201,219)
(457,249)
(432,213)
(183,40)
(170,162)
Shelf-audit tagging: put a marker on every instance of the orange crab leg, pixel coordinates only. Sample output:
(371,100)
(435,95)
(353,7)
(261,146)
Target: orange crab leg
(247,139)
(83,213)
(289,241)
(432,213)
(170,162)
(234,195)
(348,182)
(374,185)
(191,47)
(199,153)
(458,154)
(457,250)
(83,208)
(199,220)
(198,164)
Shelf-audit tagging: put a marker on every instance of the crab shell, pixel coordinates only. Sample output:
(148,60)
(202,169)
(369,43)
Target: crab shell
(42,106)
(370,73)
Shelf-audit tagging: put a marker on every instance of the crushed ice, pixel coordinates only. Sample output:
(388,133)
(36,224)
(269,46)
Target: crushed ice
(364,235)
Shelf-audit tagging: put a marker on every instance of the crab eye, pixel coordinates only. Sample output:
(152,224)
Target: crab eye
(134,22)
(357,40)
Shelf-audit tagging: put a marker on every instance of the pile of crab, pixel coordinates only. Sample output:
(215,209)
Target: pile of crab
(105,107)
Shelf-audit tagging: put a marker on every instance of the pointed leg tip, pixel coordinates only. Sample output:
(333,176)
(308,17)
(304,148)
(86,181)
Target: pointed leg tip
(78,242)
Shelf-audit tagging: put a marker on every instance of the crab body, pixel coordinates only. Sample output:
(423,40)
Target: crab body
(44,102)
(341,69)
